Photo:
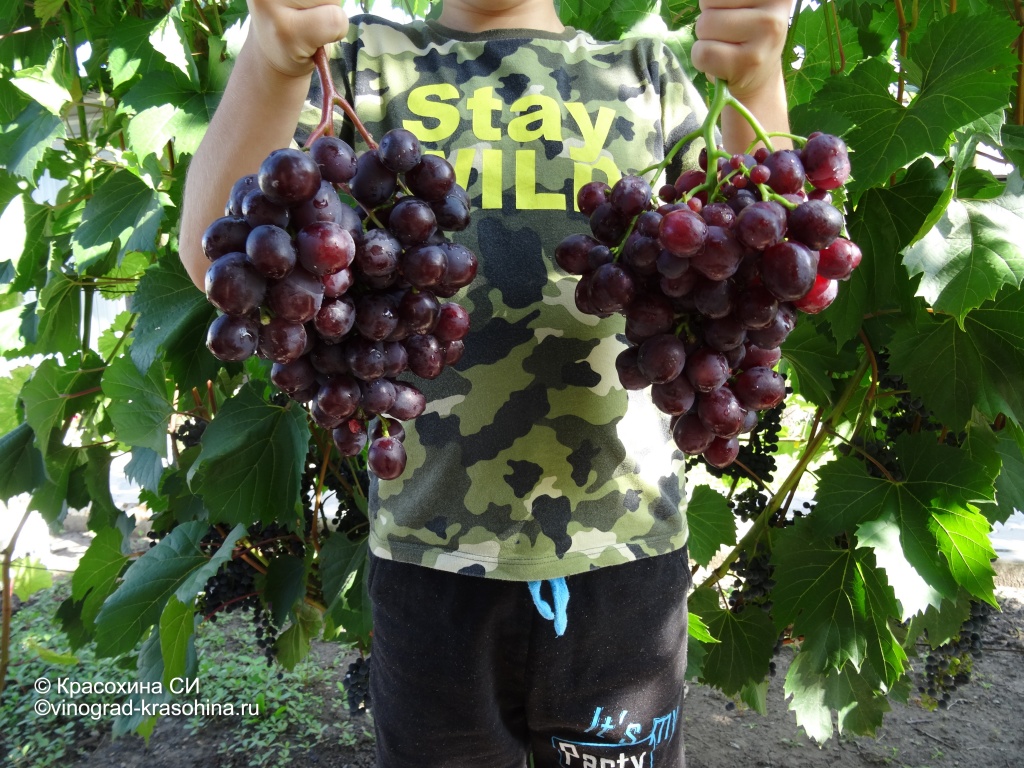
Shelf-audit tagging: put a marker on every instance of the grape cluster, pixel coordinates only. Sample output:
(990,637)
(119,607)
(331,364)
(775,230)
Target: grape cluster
(190,432)
(357,686)
(950,665)
(753,583)
(344,299)
(710,280)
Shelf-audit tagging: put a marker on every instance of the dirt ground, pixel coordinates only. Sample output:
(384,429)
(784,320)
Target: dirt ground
(983,728)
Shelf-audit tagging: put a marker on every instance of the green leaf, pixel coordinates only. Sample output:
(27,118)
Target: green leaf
(130,50)
(28,576)
(812,355)
(284,584)
(746,641)
(59,312)
(147,586)
(711,522)
(196,581)
(819,592)
(1012,137)
(52,497)
(884,222)
(942,624)
(914,594)
(966,65)
(293,644)
(812,32)
(140,408)
(103,513)
(973,251)
(49,392)
(113,338)
(21,463)
(10,386)
(1010,483)
(698,630)
(145,468)
(169,306)
(251,460)
(51,657)
(123,210)
(47,84)
(97,572)
(171,41)
(955,369)
(177,635)
(47,9)
(339,559)
(962,535)
(165,110)
(25,142)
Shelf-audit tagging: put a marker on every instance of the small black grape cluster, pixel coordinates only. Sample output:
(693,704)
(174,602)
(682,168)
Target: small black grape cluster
(190,432)
(344,299)
(908,413)
(950,665)
(711,278)
(357,686)
(879,457)
(753,583)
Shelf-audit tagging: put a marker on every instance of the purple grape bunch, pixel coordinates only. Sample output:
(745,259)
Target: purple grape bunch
(710,277)
(344,299)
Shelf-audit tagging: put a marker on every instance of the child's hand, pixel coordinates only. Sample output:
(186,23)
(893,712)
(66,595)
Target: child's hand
(289,31)
(741,41)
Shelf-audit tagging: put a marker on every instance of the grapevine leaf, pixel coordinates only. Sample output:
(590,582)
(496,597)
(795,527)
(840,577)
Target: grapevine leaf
(21,463)
(171,41)
(196,580)
(745,644)
(51,498)
(966,66)
(339,558)
(103,513)
(958,369)
(962,535)
(47,394)
(884,222)
(140,408)
(149,669)
(293,644)
(813,357)
(941,624)
(165,110)
(819,592)
(46,9)
(859,704)
(51,657)
(10,386)
(168,306)
(97,572)
(914,593)
(698,630)
(177,635)
(130,50)
(755,696)
(1010,483)
(712,524)
(886,659)
(59,312)
(124,209)
(812,33)
(46,84)
(26,140)
(145,468)
(251,460)
(283,584)
(805,687)
(972,252)
(1012,137)
(28,576)
(146,587)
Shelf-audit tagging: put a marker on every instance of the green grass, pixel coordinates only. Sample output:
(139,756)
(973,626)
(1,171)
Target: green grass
(296,709)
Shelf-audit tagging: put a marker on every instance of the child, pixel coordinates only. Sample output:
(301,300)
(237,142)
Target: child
(531,463)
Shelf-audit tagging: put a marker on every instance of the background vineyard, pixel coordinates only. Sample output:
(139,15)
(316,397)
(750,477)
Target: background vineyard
(912,446)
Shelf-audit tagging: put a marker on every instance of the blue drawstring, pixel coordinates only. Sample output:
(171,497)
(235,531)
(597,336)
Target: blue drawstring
(560,594)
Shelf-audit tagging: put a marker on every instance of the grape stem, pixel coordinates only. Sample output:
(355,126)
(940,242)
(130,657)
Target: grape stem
(330,99)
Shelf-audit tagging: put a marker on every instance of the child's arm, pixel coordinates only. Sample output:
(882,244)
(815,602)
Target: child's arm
(741,41)
(259,110)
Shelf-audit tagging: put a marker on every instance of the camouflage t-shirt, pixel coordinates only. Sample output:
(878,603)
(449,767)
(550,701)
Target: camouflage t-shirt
(531,461)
